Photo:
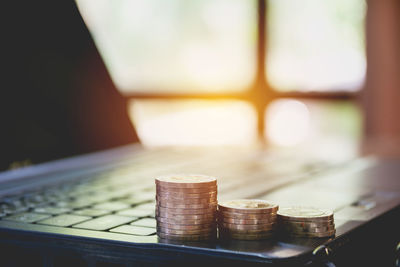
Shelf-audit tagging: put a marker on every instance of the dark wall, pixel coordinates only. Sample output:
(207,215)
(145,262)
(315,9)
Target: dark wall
(56,97)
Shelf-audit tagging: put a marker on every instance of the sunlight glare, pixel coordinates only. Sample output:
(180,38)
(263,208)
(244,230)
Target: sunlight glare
(288,122)
(194,123)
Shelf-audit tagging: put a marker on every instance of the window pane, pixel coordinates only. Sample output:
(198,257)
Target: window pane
(194,122)
(175,45)
(316,45)
(315,124)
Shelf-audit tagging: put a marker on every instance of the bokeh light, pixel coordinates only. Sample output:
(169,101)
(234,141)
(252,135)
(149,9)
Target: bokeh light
(288,122)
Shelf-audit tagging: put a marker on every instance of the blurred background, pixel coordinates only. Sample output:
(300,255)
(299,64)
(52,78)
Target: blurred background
(212,72)
(291,74)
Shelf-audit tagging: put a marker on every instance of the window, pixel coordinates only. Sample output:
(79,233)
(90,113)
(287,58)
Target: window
(194,122)
(315,123)
(315,45)
(176,45)
(194,65)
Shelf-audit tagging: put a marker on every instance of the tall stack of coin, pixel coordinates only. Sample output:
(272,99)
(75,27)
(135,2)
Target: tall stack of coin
(306,222)
(186,207)
(246,219)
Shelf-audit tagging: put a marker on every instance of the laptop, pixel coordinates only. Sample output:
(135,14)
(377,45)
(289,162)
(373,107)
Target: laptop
(70,211)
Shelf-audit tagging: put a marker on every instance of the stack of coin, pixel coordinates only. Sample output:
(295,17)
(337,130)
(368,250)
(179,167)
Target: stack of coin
(186,207)
(306,222)
(246,219)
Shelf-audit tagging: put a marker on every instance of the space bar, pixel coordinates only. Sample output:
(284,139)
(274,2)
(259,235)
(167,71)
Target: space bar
(105,222)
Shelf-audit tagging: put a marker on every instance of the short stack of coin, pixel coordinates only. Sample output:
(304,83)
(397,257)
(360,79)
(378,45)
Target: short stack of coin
(186,207)
(306,222)
(246,219)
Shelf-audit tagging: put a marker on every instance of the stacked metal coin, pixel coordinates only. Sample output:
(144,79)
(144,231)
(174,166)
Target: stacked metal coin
(246,219)
(306,222)
(186,207)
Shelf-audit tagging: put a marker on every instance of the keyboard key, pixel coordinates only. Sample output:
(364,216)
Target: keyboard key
(133,230)
(27,217)
(64,220)
(13,201)
(133,201)
(91,212)
(53,195)
(80,203)
(10,208)
(100,197)
(146,206)
(62,204)
(139,198)
(75,204)
(52,210)
(146,222)
(136,213)
(105,222)
(113,206)
(33,198)
(14,210)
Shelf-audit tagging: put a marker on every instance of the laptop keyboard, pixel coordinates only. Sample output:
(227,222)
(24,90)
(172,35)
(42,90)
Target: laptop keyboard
(86,211)
(121,200)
